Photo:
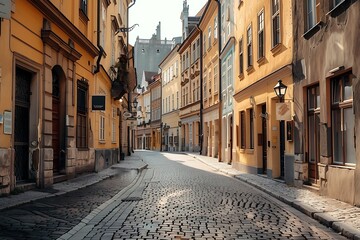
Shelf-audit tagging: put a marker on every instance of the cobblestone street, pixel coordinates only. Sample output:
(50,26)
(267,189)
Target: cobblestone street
(179,197)
(49,218)
(185,199)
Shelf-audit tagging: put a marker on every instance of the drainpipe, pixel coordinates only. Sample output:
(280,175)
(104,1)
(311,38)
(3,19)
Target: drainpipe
(220,96)
(97,69)
(127,56)
(201,132)
(161,111)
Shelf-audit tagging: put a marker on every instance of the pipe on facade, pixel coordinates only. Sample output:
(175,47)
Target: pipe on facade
(97,68)
(127,57)
(219,49)
(201,127)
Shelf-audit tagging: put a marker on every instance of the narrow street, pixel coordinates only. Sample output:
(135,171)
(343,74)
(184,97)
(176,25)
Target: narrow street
(175,197)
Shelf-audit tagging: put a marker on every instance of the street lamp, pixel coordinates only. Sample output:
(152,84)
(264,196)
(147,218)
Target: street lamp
(135,103)
(280,90)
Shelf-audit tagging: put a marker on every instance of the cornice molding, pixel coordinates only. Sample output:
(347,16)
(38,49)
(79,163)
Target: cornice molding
(56,17)
(58,44)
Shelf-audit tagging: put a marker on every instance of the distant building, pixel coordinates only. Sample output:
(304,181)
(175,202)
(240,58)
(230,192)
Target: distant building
(150,52)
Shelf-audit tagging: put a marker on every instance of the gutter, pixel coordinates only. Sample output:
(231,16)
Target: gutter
(97,68)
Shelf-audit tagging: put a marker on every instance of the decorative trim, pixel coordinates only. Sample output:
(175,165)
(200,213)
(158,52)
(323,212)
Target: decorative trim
(58,44)
(58,18)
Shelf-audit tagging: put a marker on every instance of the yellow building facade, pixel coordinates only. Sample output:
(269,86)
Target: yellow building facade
(51,66)
(171,102)
(190,55)
(210,67)
(264,48)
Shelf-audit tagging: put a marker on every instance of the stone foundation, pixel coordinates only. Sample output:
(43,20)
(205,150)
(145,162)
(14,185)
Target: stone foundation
(5,171)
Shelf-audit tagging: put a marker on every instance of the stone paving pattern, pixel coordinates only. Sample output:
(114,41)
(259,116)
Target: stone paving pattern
(186,200)
(195,210)
(331,212)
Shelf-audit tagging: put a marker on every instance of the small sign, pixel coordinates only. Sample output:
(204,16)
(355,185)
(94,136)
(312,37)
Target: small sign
(98,102)
(7,122)
(1,119)
(283,111)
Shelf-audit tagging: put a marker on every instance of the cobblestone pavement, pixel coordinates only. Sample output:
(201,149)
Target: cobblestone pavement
(340,216)
(179,197)
(51,217)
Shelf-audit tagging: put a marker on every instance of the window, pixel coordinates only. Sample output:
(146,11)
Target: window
(343,134)
(229,73)
(261,34)
(183,63)
(209,37)
(313,13)
(251,121)
(83,6)
(82,115)
(215,27)
(313,130)
(249,46)
(204,45)
(193,53)
(102,128)
(210,83)
(103,25)
(204,85)
(172,102)
(241,57)
(187,59)
(336,3)
(243,130)
(275,22)
(183,96)
(177,100)
(197,48)
(216,70)
(176,68)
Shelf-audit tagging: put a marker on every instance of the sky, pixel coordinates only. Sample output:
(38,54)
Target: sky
(148,14)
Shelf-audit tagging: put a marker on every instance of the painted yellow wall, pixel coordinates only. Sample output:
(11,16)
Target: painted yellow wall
(258,82)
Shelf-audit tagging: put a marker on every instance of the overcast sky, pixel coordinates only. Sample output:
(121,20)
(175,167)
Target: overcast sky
(148,13)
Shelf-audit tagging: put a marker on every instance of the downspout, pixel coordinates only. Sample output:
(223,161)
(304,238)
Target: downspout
(201,132)
(220,94)
(127,56)
(161,111)
(97,69)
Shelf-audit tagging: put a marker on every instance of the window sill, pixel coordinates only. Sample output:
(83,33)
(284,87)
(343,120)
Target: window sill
(241,76)
(250,151)
(83,16)
(261,60)
(311,32)
(350,167)
(276,49)
(82,149)
(250,69)
(102,141)
(338,9)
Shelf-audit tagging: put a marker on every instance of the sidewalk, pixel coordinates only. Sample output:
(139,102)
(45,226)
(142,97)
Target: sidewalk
(130,162)
(342,217)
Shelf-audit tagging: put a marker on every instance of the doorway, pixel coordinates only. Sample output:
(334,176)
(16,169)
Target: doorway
(313,143)
(21,124)
(58,120)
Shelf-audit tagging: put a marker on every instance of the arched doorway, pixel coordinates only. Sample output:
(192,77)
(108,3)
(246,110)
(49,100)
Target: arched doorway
(58,120)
